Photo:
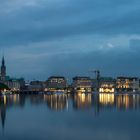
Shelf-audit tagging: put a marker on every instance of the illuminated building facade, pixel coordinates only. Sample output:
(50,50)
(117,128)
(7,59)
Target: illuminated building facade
(107,85)
(82,84)
(56,83)
(127,84)
(15,84)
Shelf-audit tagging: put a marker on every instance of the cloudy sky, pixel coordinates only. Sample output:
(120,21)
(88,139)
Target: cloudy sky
(70,37)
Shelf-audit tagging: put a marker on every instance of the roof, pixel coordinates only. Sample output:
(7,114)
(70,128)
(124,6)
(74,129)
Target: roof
(130,78)
(57,77)
(81,78)
(3,86)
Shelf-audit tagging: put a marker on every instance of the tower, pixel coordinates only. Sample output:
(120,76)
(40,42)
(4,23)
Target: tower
(3,69)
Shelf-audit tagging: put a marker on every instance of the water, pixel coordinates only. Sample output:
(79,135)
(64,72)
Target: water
(67,117)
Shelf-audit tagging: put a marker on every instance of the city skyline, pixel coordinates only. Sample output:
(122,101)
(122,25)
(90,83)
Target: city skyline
(88,73)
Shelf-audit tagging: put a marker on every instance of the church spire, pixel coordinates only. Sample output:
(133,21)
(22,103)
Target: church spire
(3,61)
(3,69)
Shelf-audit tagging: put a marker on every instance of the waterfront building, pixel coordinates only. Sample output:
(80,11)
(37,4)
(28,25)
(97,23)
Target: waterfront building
(82,84)
(127,84)
(36,86)
(56,83)
(15,84)
(107,85)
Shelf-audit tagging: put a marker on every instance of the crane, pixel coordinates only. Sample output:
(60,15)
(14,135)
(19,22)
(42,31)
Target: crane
(97,77)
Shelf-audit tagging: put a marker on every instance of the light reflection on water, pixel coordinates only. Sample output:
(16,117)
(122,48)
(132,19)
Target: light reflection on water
(98,116)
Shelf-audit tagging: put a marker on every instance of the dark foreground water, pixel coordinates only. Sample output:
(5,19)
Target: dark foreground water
(65,117)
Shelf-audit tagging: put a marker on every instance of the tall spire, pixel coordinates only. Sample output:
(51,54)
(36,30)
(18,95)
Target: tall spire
(3,61)
(3,69)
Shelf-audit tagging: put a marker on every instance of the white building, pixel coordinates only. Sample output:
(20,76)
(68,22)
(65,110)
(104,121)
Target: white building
(107,85)
(56,83)
(82,84)
(127,84)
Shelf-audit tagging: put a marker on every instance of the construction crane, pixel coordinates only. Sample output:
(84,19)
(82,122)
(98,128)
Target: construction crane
(97,73)
(97,77)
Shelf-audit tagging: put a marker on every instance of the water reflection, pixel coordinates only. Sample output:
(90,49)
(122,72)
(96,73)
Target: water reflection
(82,101)
(95,102)
(3,110)
(56,102)
(128,101)
(106,99)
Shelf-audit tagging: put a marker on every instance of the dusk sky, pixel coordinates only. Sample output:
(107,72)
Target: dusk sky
(41,38)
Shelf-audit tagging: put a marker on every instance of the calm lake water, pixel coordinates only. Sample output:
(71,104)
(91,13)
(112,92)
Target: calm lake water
(67,117)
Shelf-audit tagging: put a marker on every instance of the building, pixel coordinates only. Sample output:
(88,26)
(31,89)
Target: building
(3,70)
(15,84)
(12,83)
(36,86)
(56,83)
(127,84)
(82,84)
(107,85)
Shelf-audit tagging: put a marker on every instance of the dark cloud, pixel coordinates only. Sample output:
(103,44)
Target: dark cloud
(76,35)
(68,18)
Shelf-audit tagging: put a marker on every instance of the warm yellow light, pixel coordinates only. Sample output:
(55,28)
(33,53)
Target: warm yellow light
(106,98)
(83,97)
(4,99)
(107,90)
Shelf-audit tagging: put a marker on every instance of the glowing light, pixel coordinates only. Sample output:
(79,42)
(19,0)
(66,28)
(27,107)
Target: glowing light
(5,99)
(106,98)
(83,97)
(107,90)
